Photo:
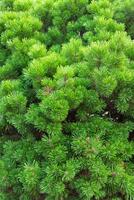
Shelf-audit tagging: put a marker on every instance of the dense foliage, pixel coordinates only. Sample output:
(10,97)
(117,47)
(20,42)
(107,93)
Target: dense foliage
(66,99)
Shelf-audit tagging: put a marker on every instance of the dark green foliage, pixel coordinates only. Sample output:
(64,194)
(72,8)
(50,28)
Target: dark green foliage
(125,14)
(66,100)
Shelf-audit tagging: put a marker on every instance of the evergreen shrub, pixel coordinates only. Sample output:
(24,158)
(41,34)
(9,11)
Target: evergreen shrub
(66,100)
